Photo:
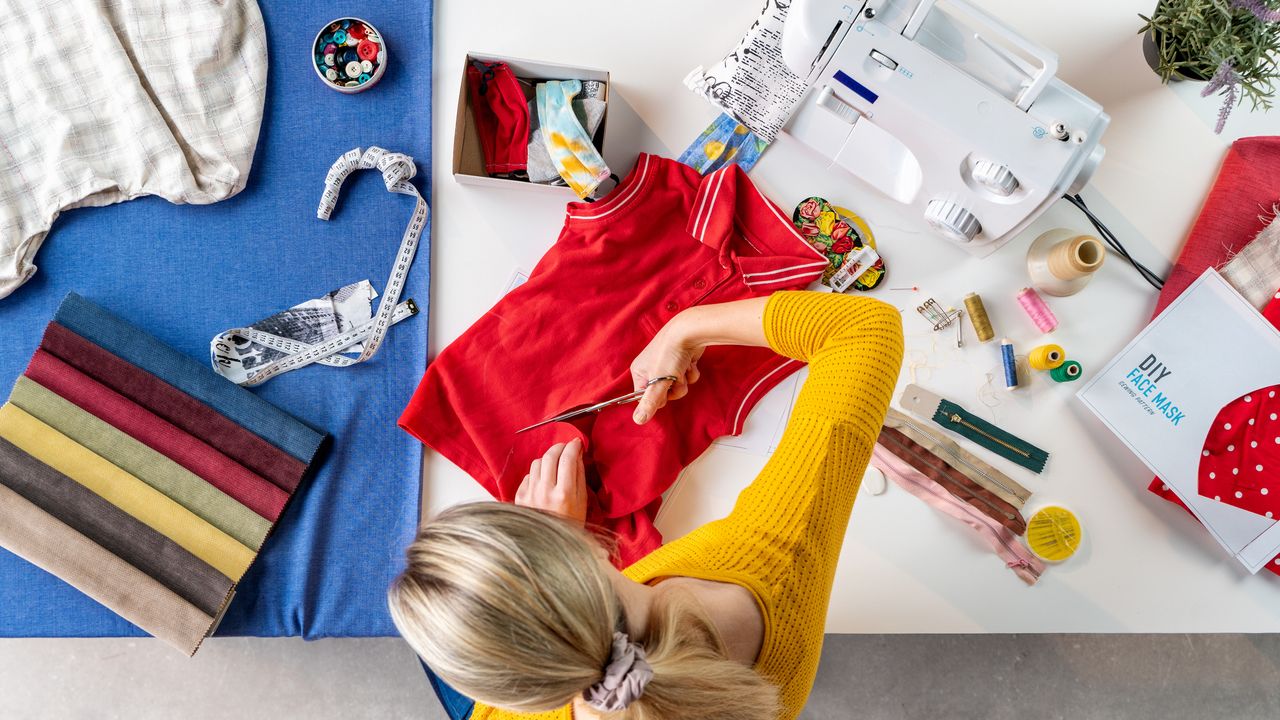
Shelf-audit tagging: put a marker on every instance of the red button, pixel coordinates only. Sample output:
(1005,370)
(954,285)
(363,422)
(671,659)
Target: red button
(367,50)
(699,283)
(671,307)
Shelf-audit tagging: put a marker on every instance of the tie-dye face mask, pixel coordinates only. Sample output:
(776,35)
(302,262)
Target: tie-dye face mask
(725,141)
(572,151)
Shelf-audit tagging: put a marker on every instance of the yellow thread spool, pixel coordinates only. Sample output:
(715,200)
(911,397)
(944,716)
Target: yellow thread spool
(1047,357)
(1054,533)
(978,316)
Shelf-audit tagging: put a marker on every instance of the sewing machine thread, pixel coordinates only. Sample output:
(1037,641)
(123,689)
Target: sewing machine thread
(979,318)
(1010,364)
(1037,310)
(1070,371)
(1047,357)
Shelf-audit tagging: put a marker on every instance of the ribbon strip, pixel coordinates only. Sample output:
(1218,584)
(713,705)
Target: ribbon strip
(397,170)
(1017,558)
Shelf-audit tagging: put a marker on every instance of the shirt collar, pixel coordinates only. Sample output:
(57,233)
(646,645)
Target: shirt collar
(767,246)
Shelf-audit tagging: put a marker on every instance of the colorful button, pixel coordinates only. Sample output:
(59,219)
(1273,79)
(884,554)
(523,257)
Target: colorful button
(364,77)
(367,50)
(330,48)
(353,69)
(340,37)
(328,59)
(331,74)
(357,31)
(366,66)
(352,40)
(671,307)
(345,24)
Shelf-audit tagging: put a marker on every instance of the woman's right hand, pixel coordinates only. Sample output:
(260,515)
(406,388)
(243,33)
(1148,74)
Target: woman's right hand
(671,353)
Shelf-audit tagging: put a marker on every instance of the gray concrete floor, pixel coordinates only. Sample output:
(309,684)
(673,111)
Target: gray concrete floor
(1028,677)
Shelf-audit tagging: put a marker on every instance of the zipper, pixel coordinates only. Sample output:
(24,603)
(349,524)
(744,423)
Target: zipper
(943,470)
(955,418)
(951,451)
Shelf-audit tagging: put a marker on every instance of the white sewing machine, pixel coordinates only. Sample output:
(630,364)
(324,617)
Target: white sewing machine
(942,108)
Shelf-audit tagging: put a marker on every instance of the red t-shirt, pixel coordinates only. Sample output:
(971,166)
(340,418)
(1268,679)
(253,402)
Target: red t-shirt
(666,239)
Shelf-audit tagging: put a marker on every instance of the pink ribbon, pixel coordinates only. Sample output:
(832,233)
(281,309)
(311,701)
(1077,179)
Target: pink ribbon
(1004,543)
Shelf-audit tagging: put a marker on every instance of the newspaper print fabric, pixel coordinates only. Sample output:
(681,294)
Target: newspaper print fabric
(753,83)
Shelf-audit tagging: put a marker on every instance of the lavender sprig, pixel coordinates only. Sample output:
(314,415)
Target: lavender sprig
(1258,8)
(1224,78)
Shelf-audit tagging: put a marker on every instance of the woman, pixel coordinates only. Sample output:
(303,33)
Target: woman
(519,607)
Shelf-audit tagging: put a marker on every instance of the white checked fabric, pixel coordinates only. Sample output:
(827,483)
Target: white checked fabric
(122,98)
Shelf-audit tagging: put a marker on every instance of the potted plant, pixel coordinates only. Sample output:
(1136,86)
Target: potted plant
(1232,44)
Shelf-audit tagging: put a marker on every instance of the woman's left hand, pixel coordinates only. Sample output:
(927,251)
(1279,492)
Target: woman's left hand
(557,482)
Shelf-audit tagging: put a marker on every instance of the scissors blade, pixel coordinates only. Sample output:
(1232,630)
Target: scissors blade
(587,409)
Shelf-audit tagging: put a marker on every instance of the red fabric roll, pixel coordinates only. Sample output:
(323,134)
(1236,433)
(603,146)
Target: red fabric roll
(170,403)
(253,491)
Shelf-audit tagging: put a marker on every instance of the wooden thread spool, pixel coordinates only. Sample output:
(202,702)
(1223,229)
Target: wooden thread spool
(1061,261)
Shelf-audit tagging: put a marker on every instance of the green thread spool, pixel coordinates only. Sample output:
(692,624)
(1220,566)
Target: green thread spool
(1069,371)
(1047,357)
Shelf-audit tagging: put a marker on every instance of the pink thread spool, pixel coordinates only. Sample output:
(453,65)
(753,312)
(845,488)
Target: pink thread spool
(1035,308)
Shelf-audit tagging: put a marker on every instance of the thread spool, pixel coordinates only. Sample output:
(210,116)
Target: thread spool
(1037,310)
(979,318)
(1010,364)
(1047,357)
(1070,371)
(1061,262)
(1054,533)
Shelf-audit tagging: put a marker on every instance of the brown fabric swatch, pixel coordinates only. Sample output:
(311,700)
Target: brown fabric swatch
(956,483)
(114,530)
(170,403)
(44,541)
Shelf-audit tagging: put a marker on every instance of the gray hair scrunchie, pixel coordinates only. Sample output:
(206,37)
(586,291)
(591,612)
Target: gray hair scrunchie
(625,677)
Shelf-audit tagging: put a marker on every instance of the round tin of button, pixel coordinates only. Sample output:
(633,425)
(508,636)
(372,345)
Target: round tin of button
(349,55)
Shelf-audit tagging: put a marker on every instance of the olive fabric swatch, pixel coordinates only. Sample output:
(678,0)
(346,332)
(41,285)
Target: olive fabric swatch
(114,530)
(241,406)
(124,491)
(53,546)
(157,433)
(177,483)
(175,406)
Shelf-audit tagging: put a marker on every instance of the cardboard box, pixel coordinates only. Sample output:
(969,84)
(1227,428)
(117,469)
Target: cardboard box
(468,158)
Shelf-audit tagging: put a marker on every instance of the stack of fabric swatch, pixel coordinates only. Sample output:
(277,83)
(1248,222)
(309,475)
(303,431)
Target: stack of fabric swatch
(139,476)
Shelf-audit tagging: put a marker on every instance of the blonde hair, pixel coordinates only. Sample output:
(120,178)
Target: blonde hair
(511,607)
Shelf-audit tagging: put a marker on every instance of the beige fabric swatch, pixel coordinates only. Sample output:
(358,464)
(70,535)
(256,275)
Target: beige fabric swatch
(47,543)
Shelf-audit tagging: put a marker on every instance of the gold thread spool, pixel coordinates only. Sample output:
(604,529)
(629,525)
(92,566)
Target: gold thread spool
(1047,357)
(978,316)
(1054,533)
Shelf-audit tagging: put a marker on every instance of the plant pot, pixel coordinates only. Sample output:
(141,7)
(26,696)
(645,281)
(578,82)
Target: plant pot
(1151,52)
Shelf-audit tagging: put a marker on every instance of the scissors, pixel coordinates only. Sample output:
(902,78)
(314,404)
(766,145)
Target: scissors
(581,410)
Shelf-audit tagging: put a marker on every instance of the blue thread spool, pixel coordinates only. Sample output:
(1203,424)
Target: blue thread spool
(1010,364)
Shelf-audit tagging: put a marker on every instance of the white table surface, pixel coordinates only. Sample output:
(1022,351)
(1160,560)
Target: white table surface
(1144,567)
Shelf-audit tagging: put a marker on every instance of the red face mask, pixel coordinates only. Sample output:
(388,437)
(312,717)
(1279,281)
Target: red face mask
(502,118)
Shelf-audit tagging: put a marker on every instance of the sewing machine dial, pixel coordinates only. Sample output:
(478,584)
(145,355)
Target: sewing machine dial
(952,220)
(995,177)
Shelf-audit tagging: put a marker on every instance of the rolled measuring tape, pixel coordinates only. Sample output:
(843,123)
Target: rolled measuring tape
(1069,371)
(1054,533)
(349,55)
(1047,357)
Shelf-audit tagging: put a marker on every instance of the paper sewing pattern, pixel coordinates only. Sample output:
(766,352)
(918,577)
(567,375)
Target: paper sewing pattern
(753,83)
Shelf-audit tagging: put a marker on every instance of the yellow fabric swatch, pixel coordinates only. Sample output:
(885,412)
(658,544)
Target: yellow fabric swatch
(125,491)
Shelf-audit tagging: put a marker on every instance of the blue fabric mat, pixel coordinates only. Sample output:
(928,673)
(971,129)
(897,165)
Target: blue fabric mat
(185,273)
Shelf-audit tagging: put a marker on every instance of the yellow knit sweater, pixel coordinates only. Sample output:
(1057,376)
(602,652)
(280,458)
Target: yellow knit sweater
(783,538)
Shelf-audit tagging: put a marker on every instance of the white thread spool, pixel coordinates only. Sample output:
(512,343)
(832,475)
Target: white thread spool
(1062,261)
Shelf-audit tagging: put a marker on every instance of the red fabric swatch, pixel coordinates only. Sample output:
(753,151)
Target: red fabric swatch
(177,407)
(252,491)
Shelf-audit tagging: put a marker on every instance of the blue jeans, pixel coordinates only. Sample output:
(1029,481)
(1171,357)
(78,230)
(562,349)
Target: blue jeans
(456,705)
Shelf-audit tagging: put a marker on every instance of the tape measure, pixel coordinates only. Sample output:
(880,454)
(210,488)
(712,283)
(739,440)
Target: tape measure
(397,170)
